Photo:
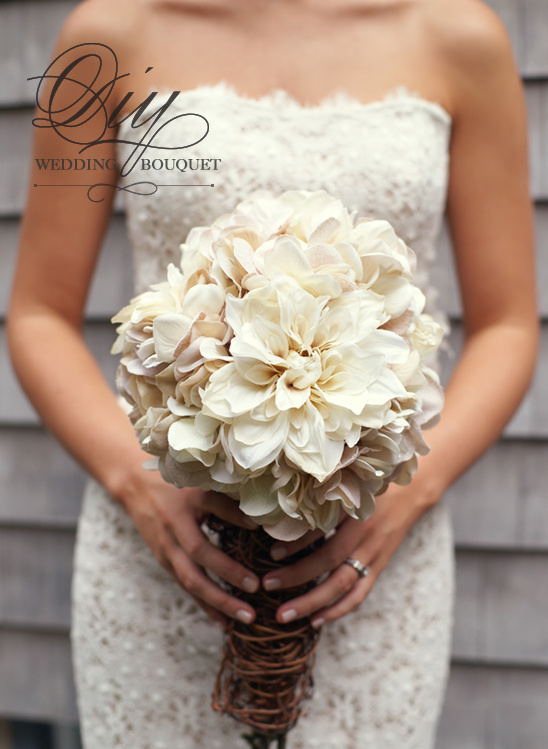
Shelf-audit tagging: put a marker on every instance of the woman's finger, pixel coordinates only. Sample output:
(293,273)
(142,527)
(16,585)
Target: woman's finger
(203,553)
(347,603)
(214,614)
(330,556)
(194,580)
(337,587)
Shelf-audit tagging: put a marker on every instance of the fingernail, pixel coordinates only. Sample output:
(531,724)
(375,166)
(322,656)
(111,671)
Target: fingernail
(289,615)
(273,583)
(244,616)
(278,552)
(317,623)
(251,585)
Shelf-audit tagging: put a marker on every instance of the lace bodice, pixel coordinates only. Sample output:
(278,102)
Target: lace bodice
(145,655)
(386,159)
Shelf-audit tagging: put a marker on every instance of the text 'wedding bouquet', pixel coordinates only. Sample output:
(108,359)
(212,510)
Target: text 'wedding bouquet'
(283,364)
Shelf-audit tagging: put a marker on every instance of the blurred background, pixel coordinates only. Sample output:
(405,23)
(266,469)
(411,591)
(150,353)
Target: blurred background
(498,691)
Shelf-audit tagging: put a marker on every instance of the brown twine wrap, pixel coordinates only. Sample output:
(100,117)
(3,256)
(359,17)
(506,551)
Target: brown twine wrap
(266,671)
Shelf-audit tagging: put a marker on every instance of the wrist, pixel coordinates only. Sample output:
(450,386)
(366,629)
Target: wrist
(426,490)
(130,479)
(416,497)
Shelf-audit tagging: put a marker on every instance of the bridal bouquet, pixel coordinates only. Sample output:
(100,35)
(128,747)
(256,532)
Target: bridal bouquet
(284,364)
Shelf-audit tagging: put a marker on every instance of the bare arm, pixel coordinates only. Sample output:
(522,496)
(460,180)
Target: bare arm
(491,220)
(60,240)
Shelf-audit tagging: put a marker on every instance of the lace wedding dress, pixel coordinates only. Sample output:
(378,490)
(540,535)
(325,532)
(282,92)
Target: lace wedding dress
(145,655)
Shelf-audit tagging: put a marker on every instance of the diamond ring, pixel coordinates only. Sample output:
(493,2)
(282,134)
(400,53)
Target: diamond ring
(362,569)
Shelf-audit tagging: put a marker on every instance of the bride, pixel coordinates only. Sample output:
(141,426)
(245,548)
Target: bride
(402,109)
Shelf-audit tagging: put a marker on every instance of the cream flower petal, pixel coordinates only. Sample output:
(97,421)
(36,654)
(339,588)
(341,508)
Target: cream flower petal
(228,394)
(427,335)
(262,341)
(180,409)
(287,396)
(254,444)
(308,447)
(325,232)
(286,255)
(183,435)
(204,298)
(287,529)
(257,498)
(168,331)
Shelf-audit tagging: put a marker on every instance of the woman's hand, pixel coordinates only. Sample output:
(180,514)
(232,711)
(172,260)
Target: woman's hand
(169,521)
(372,543)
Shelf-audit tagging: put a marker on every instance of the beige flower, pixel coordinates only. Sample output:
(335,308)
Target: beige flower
(305,375)
(285,363)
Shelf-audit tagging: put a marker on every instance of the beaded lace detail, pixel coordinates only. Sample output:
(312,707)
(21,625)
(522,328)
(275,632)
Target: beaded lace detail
(145,655)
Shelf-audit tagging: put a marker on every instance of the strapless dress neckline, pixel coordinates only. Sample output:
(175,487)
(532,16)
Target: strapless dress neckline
(339,100)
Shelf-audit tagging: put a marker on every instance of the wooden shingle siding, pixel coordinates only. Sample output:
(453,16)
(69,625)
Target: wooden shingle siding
(494,708)
(38,24)
(15,144)
(500,503)
(498,688)
(535,48)
(27,455)
(32,560)
(497,614)
(37,679)
(537,108)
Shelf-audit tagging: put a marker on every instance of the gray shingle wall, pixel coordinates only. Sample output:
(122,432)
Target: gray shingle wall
(499,683)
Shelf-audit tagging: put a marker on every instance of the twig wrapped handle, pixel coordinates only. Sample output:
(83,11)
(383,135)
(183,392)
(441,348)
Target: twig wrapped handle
(266,671)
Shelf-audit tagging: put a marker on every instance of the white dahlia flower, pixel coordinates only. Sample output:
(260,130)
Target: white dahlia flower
(284,362)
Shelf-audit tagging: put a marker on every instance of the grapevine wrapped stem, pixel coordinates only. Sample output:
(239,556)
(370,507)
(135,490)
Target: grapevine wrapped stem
(266,670)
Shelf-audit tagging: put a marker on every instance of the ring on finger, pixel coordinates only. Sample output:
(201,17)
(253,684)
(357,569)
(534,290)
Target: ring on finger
(363,570)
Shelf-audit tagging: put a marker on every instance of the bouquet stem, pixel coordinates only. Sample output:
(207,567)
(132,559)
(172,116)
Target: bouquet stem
(266,671)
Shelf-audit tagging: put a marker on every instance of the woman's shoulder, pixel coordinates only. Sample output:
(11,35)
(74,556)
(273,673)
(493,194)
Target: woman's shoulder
(473,52)
(122,26)
(103,21)
(467,33)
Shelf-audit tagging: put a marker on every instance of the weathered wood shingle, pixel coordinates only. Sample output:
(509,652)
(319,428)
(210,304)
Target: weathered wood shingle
(28,31)
(37,679)
(493,707)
